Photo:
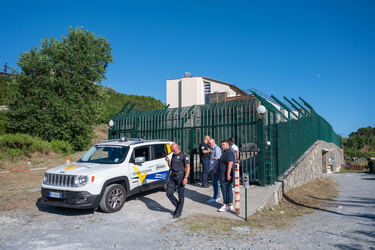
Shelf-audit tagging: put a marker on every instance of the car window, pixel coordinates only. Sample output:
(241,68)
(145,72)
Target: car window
(142,151)
(107,154)
(160,151)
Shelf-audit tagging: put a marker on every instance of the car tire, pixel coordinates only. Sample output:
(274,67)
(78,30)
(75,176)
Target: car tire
(113,199)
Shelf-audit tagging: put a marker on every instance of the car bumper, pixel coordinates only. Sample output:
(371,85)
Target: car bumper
(71,199)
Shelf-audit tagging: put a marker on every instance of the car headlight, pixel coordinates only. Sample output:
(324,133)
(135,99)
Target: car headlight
(80,180)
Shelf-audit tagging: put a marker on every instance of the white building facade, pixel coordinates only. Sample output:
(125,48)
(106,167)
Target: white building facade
(196,90)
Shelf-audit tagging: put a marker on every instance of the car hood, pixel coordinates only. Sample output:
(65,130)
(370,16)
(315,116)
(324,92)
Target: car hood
(76,168)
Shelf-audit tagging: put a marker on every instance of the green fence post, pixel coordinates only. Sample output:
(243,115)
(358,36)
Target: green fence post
(191,149)
(261,144)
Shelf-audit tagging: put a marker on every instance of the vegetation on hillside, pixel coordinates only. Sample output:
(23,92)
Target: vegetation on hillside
(114,102)
(360,144)
(14,145)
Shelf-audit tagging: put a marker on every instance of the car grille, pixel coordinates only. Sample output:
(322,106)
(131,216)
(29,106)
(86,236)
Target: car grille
(60,180)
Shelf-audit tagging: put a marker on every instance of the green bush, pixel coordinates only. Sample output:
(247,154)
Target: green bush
(13,153)
(14,145)
(61,147)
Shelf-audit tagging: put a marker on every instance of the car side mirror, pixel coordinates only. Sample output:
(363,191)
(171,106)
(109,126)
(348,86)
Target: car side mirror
(140,159)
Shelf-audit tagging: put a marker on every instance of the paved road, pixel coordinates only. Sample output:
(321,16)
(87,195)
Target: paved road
(348,223)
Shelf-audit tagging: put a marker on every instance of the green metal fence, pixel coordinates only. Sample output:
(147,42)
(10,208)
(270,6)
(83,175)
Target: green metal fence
(268,146)
(287,136)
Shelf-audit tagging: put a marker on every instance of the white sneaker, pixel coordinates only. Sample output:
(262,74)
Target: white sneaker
(211,200)
(223,208)
(231,208)
(218,199)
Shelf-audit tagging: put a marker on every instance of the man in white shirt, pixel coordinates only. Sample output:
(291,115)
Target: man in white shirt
(234,148)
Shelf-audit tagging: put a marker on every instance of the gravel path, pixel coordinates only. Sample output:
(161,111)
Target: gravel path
(347,223)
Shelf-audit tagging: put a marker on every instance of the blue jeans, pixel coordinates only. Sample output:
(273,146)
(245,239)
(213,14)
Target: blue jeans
(206,170)
(173,183)
(215,184)
(226,189)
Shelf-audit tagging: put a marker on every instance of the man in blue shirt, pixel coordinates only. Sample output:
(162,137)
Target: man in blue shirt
(215,154)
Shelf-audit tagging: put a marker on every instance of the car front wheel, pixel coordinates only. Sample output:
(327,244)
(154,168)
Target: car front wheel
(113,198)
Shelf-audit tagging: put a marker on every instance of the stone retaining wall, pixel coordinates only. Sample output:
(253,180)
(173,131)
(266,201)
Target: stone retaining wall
(309,167)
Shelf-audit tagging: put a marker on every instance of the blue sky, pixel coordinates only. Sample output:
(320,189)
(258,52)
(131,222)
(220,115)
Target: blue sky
(322,51)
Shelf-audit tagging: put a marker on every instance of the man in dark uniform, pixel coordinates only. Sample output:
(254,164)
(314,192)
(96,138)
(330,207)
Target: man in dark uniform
(179,166)
(204,155)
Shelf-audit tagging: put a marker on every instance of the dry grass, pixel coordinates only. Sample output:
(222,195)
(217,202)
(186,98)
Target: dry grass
(297,202)
(20,190)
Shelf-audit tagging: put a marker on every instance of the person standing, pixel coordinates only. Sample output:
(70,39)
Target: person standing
(235,150)
(226,175)
(204,156)
(179,165)
(215,154)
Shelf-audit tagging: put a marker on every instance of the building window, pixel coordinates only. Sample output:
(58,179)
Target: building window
(207,91)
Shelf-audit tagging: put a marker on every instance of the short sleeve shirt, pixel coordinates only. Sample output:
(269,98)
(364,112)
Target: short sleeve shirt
(179,162)
(204,146)
(234,148)
(226,157)
(216,152)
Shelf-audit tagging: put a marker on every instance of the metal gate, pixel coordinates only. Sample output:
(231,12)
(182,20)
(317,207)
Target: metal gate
(187,126)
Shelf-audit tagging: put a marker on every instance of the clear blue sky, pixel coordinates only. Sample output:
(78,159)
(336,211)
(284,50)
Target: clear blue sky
(322,51)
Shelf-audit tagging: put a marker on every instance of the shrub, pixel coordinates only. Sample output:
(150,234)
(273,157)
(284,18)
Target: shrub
(61,147)
(14,145)
(13,153)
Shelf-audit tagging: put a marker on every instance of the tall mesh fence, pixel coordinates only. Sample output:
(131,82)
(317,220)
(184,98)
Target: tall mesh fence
(269,144)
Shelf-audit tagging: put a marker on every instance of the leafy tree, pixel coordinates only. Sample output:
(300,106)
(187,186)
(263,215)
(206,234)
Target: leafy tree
(59,90)
(360,143)
(6,87)
(366,132)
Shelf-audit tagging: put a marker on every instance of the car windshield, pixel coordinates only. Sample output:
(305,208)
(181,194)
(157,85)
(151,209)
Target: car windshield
(105,154)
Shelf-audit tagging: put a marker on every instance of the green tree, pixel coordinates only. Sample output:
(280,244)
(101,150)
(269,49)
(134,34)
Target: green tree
(360,143)
(366,132)
(6,87)
(59,88)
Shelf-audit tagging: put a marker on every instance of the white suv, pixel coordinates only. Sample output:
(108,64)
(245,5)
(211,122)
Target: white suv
(107,174)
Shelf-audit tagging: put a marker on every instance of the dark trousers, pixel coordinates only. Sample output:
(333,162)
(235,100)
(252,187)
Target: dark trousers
(206,170)
(215,184)
(226,189)
(173,183)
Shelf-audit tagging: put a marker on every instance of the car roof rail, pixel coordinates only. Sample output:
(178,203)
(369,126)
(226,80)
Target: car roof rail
(135,140)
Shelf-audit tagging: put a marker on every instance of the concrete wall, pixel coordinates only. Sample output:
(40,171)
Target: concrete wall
(192,91)
(309,167)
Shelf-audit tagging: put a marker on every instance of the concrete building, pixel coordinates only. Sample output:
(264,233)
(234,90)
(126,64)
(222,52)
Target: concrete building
(198,90)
